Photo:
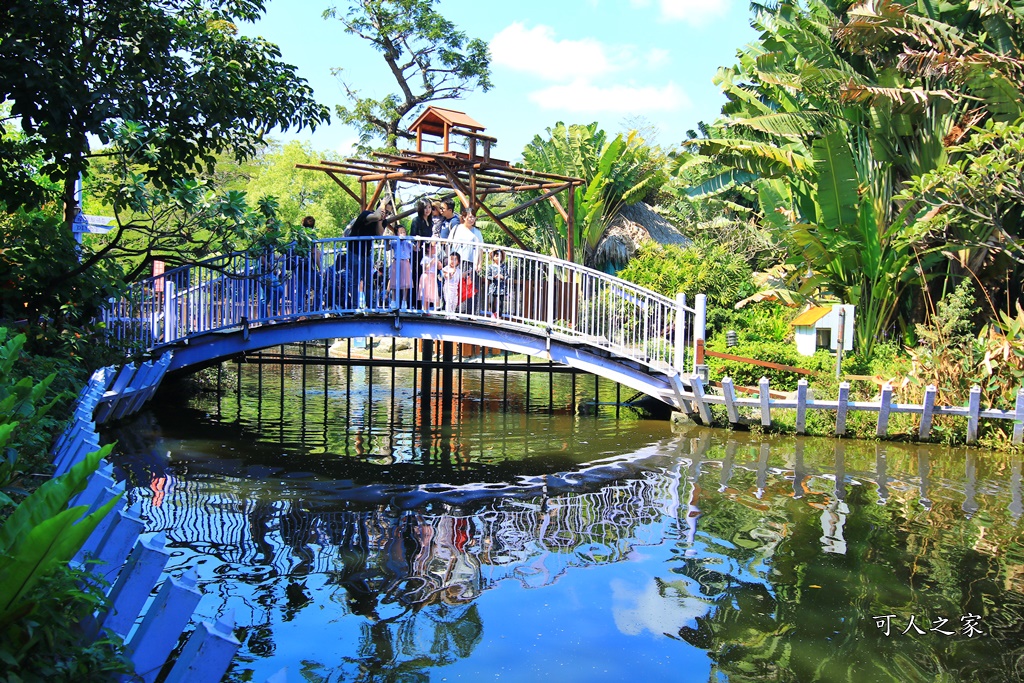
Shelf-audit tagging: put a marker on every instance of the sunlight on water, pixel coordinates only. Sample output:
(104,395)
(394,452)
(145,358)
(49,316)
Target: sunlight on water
(356,540)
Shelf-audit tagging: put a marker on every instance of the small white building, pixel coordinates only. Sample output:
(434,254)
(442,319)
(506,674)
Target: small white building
(818,328)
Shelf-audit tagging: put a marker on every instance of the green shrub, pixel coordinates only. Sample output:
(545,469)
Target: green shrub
(46,646)
(703,268)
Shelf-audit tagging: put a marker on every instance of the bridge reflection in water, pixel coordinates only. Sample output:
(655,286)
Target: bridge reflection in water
(380,562)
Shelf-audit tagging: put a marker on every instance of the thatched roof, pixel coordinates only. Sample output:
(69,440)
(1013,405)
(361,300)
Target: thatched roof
(630,228)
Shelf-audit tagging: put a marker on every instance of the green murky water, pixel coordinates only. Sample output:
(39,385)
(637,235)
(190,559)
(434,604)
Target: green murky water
(353,540)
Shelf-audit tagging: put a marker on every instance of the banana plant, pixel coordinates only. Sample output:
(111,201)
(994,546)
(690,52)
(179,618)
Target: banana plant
(617,173)
(42,533)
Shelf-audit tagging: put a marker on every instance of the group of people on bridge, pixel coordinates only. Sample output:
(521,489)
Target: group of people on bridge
(439,262)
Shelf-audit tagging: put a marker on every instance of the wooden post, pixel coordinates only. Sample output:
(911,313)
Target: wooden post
(207,654)
(570,224)
(134,584)
(1018,419)
(729,392)
(843,405)
(447,355)
(698,397)
(167,616)
(766,402)
(801,407)
(926,412)
(884,406)
(973,408)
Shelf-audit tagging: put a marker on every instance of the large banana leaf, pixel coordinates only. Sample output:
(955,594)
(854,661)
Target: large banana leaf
(756,157)
(838,195)
(41,534)
(720,183)
(49,544)
(46,501)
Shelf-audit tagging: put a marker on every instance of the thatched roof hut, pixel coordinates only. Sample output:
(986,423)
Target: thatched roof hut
(631,227)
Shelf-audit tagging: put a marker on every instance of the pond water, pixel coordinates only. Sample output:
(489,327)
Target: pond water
(354,540)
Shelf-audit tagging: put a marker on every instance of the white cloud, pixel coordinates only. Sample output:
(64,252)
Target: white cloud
(695,12)
(583,96)
(646,609)
(536,51)
(657,57)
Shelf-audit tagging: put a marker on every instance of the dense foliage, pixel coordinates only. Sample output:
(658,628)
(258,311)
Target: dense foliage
(831,112)
(704,268)
(618,172)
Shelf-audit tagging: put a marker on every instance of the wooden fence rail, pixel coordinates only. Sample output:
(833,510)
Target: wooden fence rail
(115,553)
(765,403)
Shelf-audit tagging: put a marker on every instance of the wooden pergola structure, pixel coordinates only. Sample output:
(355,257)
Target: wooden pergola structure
(472,175)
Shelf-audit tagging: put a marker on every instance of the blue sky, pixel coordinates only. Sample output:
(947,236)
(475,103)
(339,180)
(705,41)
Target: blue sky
(618,62)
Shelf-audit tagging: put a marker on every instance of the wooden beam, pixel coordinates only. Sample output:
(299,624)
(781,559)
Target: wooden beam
(456,183)
(376,194)
(527,204)
(504,227)
(558,207)
(345,187)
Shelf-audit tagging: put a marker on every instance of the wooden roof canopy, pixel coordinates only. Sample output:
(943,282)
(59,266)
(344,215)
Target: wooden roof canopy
(472,175)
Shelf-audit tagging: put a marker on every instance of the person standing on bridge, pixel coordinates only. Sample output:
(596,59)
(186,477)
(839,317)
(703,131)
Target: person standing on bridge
(497,283)
(453,285)
(428,279)
(359,261)
(449,219)
(421,228)
(401,270)
(469,239)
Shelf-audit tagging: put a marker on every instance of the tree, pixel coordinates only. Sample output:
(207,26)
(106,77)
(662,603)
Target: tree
(429,58)
(618,172)
(69,69)
(302,193)
(834,108)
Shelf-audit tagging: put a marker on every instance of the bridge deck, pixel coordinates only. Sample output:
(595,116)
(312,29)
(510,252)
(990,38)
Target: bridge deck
(404,287)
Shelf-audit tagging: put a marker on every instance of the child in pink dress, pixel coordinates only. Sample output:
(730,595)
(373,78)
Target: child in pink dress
(428,280)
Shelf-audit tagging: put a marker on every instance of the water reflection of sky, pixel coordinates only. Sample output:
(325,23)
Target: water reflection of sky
(616,551)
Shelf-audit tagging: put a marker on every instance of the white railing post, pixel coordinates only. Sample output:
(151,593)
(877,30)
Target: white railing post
(699,325)
(680,359)
(156,637)
(170,322)
(551,294)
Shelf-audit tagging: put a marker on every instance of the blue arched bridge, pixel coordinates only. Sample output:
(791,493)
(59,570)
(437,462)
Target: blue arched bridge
(486,295)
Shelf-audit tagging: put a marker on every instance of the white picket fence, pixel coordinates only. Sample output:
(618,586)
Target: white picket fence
(133,566)
(702,398)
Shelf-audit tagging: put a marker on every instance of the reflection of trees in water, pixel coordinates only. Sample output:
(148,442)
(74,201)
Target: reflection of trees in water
(413,575)
(793,569)
(783,556)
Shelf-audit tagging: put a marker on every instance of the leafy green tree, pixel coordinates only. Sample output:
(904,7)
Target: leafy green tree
(833,110)
(618,172)
(976,209)
(70,69)
(184,222)
(302,193)
(430,59)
